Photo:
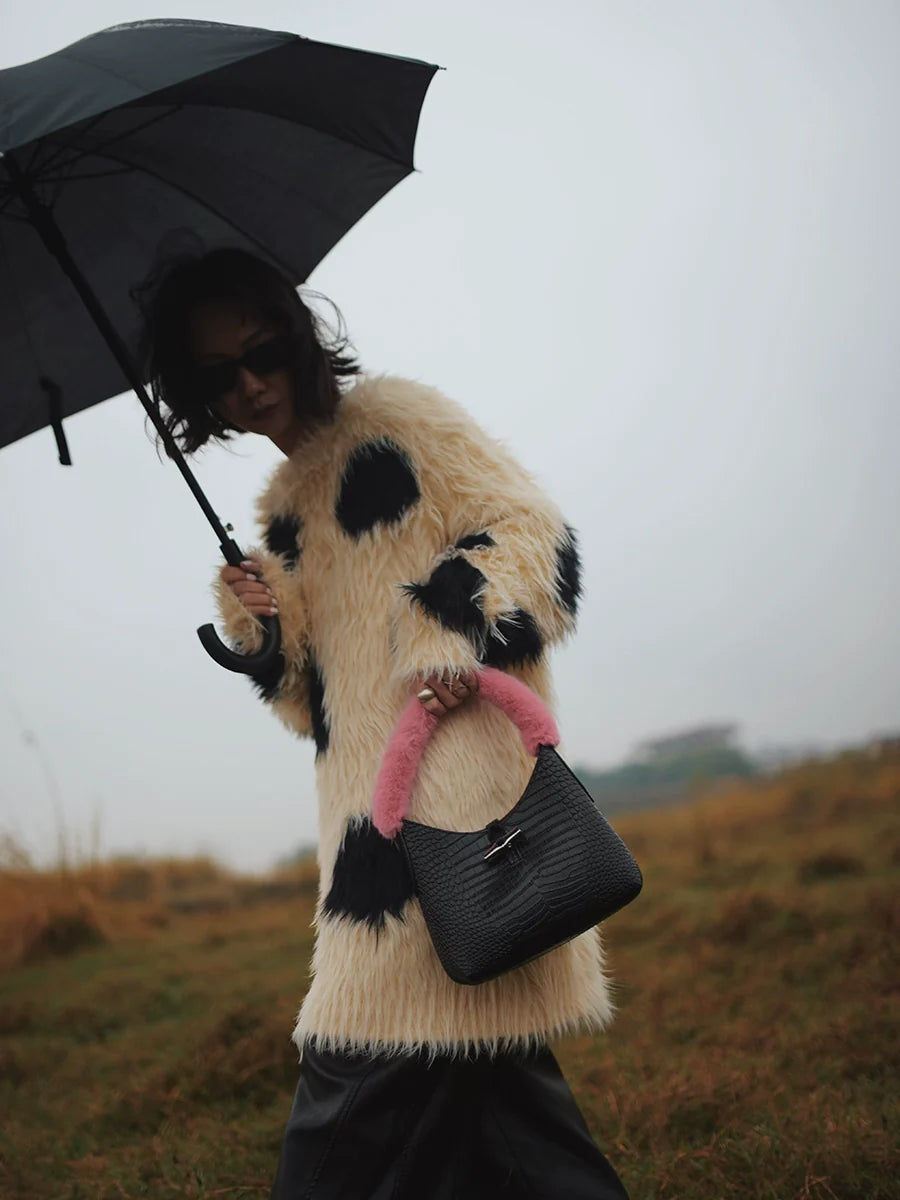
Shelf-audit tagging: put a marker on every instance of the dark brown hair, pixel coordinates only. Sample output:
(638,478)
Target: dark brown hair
(172,292)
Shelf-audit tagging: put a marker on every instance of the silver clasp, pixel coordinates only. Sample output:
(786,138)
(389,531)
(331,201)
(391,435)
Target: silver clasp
(502,844)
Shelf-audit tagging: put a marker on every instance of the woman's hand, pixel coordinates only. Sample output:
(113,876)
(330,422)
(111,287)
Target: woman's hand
(251,589)
(439,695)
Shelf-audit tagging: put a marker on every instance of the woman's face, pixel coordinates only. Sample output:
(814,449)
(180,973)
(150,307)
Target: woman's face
(249,388)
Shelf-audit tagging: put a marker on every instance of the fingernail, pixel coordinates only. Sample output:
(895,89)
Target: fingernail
(252,578)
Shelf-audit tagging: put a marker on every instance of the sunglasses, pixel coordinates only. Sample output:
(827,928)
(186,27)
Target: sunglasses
(216,379)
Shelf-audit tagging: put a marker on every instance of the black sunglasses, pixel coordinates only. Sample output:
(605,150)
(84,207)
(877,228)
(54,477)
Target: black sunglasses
(215,379)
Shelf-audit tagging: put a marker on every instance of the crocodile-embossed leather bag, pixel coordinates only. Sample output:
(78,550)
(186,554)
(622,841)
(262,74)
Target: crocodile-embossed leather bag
(498,897)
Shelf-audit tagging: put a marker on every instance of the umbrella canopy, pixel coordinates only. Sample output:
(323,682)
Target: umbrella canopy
(246,137)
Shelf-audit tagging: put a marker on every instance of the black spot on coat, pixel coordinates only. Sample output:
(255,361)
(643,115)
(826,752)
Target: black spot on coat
(568,572)
(319,717)
(523,642)
(473,540)
(283,537)
(268,682)
(268,685)
(378,486)
(449,596)
(370,879)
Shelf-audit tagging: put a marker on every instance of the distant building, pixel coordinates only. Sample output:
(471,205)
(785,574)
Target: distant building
(703,739)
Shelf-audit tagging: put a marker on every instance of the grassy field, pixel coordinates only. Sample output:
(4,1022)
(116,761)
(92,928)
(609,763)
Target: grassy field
(145,1010)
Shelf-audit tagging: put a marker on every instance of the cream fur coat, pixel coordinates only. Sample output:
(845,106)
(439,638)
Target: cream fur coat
(402,540)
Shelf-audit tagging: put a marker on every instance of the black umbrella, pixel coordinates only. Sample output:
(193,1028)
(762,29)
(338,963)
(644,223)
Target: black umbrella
(247,137)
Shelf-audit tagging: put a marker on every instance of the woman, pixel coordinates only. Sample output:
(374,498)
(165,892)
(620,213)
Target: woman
(404,548)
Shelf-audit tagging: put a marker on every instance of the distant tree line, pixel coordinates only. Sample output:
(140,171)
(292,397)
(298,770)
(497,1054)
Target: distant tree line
(644,783)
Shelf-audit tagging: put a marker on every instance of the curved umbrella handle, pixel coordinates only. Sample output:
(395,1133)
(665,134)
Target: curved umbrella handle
(233,660)
(220,652)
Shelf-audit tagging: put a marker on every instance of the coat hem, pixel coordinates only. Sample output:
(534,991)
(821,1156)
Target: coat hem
(463,1048)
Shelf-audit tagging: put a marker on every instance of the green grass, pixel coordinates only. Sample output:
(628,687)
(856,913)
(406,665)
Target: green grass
(755,1053)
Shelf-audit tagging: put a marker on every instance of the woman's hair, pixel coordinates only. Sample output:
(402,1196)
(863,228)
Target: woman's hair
(170,295)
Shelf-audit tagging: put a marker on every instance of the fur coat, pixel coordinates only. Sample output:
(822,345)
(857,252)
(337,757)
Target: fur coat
(401,541)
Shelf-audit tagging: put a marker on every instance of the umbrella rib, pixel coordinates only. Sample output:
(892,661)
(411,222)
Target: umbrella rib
(101,68)
(62,148)
(266,250)
(88,175)
(81,151)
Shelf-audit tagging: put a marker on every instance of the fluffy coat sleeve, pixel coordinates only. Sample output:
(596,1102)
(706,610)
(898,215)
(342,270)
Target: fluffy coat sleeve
(285,685)
(507,581)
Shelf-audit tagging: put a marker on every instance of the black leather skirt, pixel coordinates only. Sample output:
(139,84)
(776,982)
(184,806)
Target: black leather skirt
(404,1128)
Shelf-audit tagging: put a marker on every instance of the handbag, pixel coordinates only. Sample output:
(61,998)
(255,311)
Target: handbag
(498,897)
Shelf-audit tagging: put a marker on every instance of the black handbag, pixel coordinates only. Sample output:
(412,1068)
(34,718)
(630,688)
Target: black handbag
(499,897)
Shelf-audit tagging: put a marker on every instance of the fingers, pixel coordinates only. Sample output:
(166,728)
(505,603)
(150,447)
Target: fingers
(249,569)
(447,693)
(470,680)
(443,695)
(250,588)
(260,602)
(431,704)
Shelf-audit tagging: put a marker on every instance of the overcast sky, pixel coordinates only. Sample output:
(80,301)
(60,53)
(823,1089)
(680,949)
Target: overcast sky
(654,247)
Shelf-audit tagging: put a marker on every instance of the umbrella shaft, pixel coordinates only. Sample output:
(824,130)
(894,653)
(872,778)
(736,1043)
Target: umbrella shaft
(52,237)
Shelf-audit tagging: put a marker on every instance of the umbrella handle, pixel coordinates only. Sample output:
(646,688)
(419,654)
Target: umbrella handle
(233,660)
(221,652)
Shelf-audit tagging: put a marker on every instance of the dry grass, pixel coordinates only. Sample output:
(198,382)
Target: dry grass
(45,914)
(757,1040)
(145,1010)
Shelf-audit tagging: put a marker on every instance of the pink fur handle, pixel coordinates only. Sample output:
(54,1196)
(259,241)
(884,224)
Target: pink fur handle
(400,764)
